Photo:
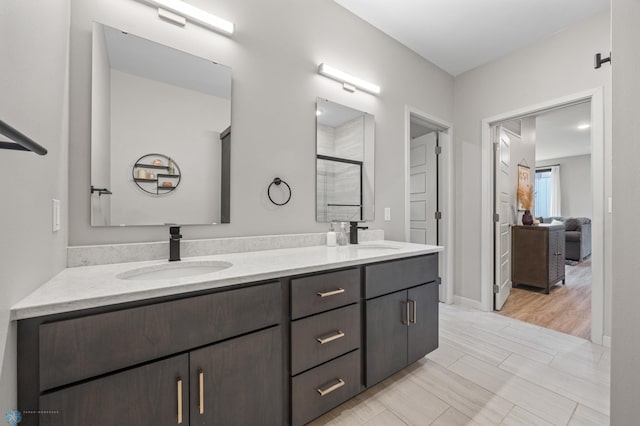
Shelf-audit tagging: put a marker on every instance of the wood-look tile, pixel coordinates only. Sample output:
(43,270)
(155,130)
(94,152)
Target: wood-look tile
(386,418)
(548,405)
(594,372)
(595,396)
(481,350)
(585,416)
(446,354)
(411,403)
(482,337)
(521,417)
(471,399)
(453,417)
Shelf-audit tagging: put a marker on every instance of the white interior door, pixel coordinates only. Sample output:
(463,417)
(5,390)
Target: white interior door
(423,190)
(502,227)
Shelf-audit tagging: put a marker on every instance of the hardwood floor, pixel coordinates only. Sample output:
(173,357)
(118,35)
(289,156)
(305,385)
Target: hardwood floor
(566,309)
(490,370)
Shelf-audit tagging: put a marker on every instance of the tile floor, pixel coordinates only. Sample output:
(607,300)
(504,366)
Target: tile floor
(490,370)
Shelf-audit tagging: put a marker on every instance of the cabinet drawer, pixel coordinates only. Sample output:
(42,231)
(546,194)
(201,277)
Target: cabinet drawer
(322,337)
(81,348)
(318,293)
(338,380)
(384,278)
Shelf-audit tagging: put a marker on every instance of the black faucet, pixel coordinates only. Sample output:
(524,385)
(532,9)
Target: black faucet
(174,243)
(353,232)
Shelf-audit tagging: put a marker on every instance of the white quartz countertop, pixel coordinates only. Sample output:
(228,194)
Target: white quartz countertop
(94,286)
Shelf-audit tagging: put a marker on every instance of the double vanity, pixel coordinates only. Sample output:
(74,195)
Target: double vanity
(260,338)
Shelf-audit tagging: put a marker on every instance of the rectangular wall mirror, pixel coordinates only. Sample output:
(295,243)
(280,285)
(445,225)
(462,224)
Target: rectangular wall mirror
(345,140)
(160,134)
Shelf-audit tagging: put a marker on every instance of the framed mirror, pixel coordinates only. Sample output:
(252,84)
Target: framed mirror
(345,144)
(154,108)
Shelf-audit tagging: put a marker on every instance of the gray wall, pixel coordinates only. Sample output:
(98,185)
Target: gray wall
(557,66)
(575,185)
(522,152)
(33,83)
(149,116)
(274,56)
(625,352)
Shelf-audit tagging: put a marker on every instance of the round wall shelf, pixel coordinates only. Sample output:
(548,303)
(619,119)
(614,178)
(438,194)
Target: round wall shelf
(156,174)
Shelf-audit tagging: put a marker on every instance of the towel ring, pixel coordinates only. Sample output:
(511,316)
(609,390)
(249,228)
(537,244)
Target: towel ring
(277,181)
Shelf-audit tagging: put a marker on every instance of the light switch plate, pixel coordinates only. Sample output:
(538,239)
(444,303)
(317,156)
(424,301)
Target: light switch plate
(55,214)
(387,214)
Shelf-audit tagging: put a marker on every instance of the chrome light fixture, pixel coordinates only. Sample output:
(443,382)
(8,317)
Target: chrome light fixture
(179,12)
(350,82)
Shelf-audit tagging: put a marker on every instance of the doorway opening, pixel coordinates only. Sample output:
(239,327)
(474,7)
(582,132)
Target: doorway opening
(547,159)
(428,201)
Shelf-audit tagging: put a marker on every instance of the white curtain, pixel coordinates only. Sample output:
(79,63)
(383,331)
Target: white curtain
(556,193)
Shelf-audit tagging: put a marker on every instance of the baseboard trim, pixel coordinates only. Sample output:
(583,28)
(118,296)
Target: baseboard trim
(468,303)
(606,341)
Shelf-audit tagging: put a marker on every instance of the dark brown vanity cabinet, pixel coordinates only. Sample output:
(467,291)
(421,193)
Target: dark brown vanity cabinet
(203,360)
(402,326)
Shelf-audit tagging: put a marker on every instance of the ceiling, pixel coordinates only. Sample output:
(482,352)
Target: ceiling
(135,55)
(333,114)
(459,35)
(557,133)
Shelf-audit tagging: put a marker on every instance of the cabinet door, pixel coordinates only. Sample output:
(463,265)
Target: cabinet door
(156,394)
(423,321)
(386,344)
(238,382)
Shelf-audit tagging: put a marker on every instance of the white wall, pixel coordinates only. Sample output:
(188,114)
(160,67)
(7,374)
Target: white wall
(575,185)
(625,338)
(186,129)
(34,44)
(522,152)
(274,56)
(554,67)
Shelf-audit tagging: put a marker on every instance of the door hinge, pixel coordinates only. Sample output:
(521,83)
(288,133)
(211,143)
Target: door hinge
(438,150)
(496,217)
(439,280)
(438,215)
(496,288)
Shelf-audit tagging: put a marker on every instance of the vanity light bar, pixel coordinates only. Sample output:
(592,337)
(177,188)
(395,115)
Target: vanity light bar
(194,14)
(349,81)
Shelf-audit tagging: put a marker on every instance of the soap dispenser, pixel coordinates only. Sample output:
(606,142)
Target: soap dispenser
(331,237)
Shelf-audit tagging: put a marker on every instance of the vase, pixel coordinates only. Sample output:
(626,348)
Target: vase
(527,219)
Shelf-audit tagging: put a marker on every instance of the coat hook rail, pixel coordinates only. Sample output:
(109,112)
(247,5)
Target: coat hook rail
(20,142)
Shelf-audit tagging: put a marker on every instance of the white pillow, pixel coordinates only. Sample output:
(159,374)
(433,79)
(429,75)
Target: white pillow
(556,222)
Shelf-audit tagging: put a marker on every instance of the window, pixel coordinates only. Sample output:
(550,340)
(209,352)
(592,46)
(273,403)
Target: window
(543,193)
(547,195)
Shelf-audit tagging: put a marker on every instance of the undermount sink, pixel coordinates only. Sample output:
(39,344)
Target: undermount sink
(175,270)
(376,247)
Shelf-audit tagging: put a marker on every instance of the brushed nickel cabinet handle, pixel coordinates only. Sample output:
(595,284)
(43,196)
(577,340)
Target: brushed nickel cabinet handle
(331,388)
(330,338)
(331,293)
(201,389)
(415,311)
(406,313)
(179,401)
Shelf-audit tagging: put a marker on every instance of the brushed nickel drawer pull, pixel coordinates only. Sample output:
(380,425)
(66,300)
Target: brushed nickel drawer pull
(201,385)
(415,311)
(331,388)
(332,292)
(179,401)
(335,336)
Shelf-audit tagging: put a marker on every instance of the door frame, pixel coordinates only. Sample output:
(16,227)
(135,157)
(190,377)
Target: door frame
(596,97)
(445,193)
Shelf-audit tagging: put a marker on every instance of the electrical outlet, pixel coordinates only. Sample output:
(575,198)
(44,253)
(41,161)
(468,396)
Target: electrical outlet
(387,214)
(55,214)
